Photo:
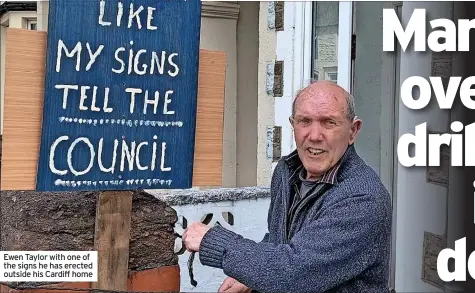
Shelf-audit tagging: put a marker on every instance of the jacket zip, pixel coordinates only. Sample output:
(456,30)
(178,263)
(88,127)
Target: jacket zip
(301,205)
(292,208)
(285,202)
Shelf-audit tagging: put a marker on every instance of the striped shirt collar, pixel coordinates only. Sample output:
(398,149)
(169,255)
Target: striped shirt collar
(328,177)
(296,166)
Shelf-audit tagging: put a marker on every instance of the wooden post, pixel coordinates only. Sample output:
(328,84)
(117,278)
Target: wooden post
(111,239)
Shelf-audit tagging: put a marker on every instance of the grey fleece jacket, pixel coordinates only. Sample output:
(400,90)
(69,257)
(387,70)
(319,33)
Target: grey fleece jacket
(337,242)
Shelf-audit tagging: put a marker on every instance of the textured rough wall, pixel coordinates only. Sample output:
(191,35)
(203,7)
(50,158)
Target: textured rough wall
(65,221)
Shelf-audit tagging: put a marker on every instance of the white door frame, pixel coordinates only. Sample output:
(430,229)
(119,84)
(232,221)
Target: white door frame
(302,50)
(303,44)
(345,33)
(302,60)
(390,108)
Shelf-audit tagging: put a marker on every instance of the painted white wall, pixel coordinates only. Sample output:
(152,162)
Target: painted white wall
(420,206)
(250,221)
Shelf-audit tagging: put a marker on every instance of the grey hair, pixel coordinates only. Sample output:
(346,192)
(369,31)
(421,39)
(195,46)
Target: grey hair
(350,103)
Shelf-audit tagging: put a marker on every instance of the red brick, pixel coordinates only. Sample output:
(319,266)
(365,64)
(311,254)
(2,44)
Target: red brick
(164,279)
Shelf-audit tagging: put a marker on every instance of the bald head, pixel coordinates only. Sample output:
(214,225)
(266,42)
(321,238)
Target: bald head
(324,87)
(324,125)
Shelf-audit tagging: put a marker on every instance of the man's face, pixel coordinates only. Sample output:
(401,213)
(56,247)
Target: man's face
(321,127)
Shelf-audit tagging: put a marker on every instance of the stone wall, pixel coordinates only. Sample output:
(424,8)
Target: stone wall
(65,221)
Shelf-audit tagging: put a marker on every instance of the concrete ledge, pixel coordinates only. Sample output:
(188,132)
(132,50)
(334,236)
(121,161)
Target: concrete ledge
(192,196)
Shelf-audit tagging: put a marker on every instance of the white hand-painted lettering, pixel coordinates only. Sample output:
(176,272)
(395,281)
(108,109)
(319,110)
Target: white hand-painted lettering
(84,88)
(135,14)
(131,58)
(51,156)
(172,63)
(137,156)
(150,11)
(117,57)
(66,88)
(70,156)
(132,92)
(93,55)
(114,155)
(136,63)
(147,101)
(162,159)
(160,63)
(153,102)
(150,182)
(120,12)
(132,155)
(154,153)
(143,62)
(83,96)
(106,108)
(77,50)
(129,154)
(101,14)
(167,101)
(93,103)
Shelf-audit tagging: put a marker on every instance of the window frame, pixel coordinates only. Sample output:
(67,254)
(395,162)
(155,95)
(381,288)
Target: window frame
(30,22)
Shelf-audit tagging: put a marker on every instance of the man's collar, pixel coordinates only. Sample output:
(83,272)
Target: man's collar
(296,166)
(328,177)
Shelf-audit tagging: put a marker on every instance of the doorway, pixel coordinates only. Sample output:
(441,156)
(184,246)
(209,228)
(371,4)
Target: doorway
(375,86)
(331,42)
(345,45)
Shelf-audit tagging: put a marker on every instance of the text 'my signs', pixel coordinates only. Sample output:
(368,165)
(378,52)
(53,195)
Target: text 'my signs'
(120,95)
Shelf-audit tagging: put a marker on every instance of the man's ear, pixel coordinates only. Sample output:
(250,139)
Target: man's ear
(355,129)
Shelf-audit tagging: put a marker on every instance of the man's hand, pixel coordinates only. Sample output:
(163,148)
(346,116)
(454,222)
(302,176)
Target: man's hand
(231,285)
(193,235)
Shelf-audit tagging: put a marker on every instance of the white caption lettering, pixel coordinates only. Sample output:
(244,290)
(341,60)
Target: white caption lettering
(444,39)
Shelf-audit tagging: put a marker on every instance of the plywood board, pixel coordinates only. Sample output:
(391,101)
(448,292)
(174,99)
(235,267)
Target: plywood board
(23,108)
(25,59)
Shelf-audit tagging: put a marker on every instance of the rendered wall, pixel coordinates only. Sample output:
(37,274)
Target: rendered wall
(421,206)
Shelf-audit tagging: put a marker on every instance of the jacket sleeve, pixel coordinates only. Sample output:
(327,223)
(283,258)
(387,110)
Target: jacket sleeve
(344,241)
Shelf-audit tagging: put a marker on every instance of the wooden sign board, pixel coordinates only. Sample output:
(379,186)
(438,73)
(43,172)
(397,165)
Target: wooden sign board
(23,110)
(120,95)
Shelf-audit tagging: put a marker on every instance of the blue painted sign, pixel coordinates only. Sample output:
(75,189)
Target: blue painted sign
(120,95)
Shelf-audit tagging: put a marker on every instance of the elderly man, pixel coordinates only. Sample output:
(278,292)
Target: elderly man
(329,220)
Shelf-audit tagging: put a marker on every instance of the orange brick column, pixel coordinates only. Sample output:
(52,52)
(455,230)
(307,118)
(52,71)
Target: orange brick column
(163,279)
